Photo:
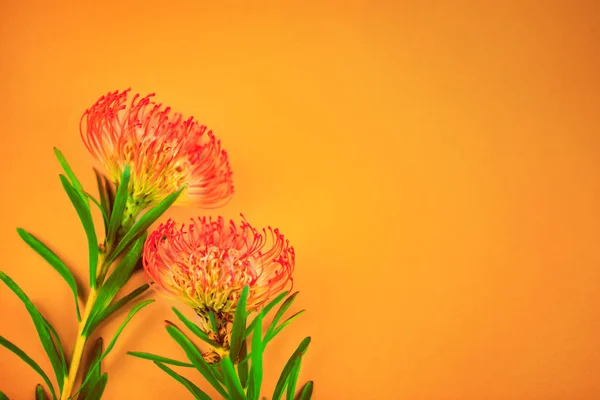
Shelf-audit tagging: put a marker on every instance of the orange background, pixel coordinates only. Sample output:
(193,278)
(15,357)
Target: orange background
(434,163)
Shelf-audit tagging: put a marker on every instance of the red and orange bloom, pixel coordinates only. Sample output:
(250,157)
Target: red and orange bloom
(207,263)
(164,151)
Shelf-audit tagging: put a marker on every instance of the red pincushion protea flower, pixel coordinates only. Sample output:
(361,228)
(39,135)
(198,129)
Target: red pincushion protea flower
(207,263)
(164,151)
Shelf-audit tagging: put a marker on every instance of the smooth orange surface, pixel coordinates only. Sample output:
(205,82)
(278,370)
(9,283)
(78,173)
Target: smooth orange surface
(435,164)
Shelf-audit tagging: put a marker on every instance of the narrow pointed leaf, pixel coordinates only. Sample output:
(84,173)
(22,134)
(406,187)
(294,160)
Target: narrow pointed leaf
(284,307)
(110,192)
(119,205)
(41,327)
(54,261)
(245,359)
(293,379)
(98,389)
(271,334)
(23,356)
(131,314)
(194,390)
(217,371)
(195,329)
(117,305)
(160,359)
(213,321)
(196,358)
(67,168)
(265,310)
(58,347)
(307,391)
(97,204)
(110,346)
(83,211)
(256,354)
(96,355)
(239,325)
(95,374)
(113,284)
(105,200)
(288,368)
(143,224)
(243,367)
(39,393)
(231,380)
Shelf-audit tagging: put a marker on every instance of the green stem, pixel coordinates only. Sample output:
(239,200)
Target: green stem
(104,268)
(79,347)
(81,339)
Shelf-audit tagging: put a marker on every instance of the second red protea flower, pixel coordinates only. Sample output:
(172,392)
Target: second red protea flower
(164,151)
(207,263)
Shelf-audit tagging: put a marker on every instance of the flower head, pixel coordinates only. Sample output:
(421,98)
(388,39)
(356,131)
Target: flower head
(207,263)
(164,151)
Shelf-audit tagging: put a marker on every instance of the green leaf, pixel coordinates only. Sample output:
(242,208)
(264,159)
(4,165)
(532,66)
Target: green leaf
(239,326)
(95,374)
(271,334)
(218,372)
(41,327)
(54,261)
(83,211)
(160,359)
(98,389)
(196,329)
(245,359)
(196,358)
(194,390)
(67,168)
(113,284)
(307,390)
(265,311)
(131,314)
(23,356)
(117,305)
(3,396)
(213,321)
(39,393)
(243,367)
(93,199)
(119,205)
(143,224)
(256,354)
(284,307)
(57,345)
(231,380)
(288,368)
(107,196)
(293,379)
(104,202)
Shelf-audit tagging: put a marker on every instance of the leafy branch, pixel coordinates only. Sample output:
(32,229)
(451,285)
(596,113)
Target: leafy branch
(238,375)
(111,265)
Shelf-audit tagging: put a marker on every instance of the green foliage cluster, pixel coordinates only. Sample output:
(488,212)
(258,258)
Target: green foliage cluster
(238,375)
